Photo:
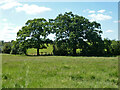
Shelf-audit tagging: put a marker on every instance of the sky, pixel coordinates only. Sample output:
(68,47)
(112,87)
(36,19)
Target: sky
(14,15)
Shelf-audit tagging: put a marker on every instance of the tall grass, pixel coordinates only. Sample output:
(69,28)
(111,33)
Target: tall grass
(59,72)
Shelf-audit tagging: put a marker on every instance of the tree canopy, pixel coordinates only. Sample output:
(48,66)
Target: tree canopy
(33,34)
(76,30)
(72,32)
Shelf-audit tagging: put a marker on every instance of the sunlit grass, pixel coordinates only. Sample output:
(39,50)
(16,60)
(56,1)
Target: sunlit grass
(33,51)
(59,72)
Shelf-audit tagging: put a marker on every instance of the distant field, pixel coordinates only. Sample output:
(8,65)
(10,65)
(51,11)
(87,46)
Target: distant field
(59,72)
(49,49)
(33,51)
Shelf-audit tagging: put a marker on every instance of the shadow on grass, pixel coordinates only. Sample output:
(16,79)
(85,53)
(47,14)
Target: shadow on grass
(94,56)
(65,55)
(74,55)
(38,55)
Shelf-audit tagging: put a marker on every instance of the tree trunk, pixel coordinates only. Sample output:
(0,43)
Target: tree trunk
(74,51)
(25,52)
(38,52)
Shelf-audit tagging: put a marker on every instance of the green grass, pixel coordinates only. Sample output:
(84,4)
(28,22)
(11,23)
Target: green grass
(33,51)
(49,49)
(59,72)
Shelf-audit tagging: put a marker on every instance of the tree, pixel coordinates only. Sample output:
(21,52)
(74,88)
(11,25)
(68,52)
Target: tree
(18,48)
(1,42)
(14,48)
(108,46)
(115,47)
(111,47)
(76,30)
(33,34)
(7,47)
(60,48)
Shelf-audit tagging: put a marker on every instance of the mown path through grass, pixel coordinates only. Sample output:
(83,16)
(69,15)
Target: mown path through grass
(59,72)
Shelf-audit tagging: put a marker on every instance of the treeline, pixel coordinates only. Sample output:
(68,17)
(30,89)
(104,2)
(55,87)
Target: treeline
(72,33)
(111,48)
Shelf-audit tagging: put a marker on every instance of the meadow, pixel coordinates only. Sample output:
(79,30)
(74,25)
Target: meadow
(33,51)
(21,71)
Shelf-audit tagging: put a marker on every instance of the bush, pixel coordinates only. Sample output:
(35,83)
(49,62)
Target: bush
(96,49)
(112,47)
(116,48)
(14,49)
(60,49)
(17,48)
(7,48)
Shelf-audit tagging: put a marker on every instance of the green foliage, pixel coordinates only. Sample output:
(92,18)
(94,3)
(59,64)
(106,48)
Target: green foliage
(1,46)
(108,47)
(115,47)
(75,31)
(94,49)
(34,34)
(48,50)
(1,43)
(7,48)
(112,47)
(60,48)
(15,47)
(18,48)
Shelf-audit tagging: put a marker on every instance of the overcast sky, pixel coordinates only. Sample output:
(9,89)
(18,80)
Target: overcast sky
(13,15)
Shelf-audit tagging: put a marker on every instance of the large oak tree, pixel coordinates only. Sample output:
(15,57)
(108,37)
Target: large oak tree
(33,34)
(76,30)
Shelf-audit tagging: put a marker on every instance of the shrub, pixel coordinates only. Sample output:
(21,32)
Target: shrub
(7,48)
(60,49)
(14,48)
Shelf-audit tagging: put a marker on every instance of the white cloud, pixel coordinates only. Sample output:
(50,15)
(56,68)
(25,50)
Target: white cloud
(4,20)
(86,10)
(32,9)
(99,17)
(116,21)
(9,31)
(29,9)
(91,12)
(109,31)
(6,1)
(9,5)
(101,11)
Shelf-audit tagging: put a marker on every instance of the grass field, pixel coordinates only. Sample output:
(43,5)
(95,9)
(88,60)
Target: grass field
(59,72)
(33,51)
